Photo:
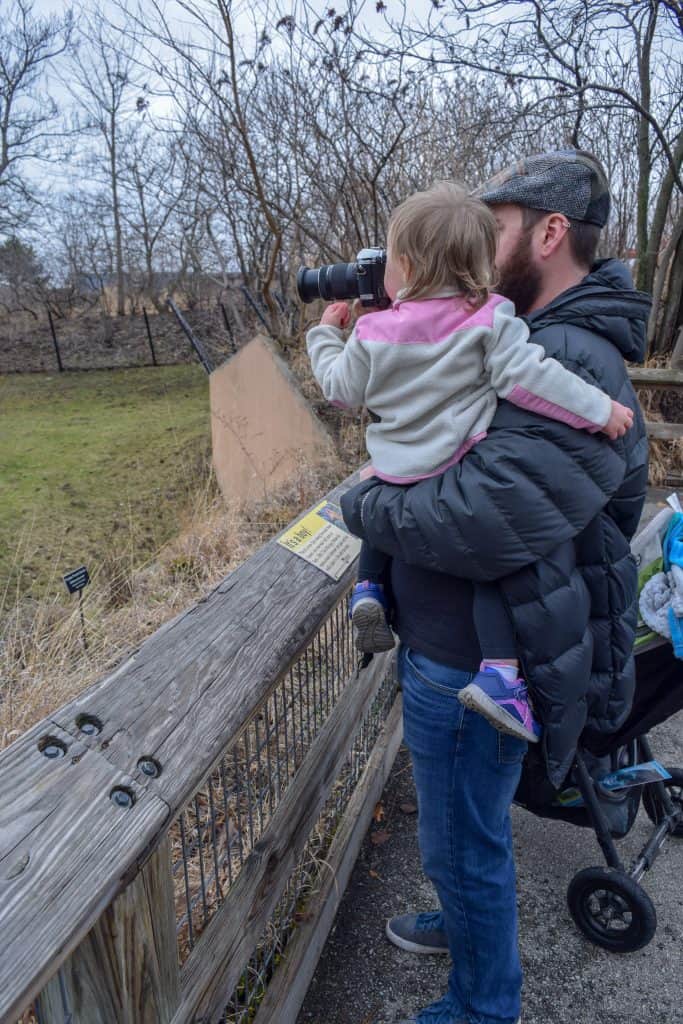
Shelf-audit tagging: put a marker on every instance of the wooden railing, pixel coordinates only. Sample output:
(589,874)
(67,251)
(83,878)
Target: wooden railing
(174,842)
(661,378)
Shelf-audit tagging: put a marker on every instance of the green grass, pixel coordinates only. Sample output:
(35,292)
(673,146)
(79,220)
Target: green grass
(96,468)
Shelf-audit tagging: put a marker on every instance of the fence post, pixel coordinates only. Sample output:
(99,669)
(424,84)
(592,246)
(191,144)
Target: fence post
(191,336)
(237,315)
(55,342)
(228,327)
(126,969)
(149,337)
(248,296)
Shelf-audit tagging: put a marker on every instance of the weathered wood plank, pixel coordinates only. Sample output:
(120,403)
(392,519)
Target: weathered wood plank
(664,431)
(188,691)
(659,378)
(181,697)
(213,968)
(126,969)
(289,985)
(65,851)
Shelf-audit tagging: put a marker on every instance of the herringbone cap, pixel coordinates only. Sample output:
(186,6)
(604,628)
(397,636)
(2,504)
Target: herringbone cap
(566,181)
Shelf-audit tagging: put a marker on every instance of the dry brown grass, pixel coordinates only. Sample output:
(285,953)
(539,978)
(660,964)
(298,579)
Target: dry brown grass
(43,662)
(666,462)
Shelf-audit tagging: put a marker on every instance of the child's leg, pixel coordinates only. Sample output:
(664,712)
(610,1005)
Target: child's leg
(496,691)
(494,627)
(372,564)
(369,604)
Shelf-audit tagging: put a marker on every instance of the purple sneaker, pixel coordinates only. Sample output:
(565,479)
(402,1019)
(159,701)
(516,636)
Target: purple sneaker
(505,705)
(368,613)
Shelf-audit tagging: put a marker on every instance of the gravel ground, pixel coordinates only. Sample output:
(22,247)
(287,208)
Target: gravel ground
(362,979)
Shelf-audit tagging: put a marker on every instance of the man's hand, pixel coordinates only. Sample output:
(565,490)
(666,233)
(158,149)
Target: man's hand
(336,315)
(620,420)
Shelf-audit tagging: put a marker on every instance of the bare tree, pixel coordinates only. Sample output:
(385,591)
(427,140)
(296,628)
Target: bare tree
(616,56)
(155,182)
(28,115)
(24,282)
(83,254)
(108,99)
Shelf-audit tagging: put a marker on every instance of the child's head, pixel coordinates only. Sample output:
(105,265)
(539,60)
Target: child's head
(447,239)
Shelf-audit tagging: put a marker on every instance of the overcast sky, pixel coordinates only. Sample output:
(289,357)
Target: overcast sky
(243,12)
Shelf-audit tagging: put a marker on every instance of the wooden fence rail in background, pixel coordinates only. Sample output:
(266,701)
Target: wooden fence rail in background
(668,380)
(657,378)
(159,832)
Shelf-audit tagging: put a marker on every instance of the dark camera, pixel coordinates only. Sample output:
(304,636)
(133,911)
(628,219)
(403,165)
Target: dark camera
(362,280)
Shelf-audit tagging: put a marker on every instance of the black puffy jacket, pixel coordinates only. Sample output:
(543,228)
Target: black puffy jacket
(551,510)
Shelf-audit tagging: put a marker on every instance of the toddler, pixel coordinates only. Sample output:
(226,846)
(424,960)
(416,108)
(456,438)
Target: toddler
(431,368)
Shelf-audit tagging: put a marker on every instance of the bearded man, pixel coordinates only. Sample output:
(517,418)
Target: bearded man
(548,512)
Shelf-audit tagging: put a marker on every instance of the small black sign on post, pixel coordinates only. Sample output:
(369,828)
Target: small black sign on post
(75,581)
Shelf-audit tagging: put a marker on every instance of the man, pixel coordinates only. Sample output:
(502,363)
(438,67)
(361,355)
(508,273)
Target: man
(548,511)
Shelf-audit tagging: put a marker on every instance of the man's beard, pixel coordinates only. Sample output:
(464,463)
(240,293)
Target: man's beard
(519,279)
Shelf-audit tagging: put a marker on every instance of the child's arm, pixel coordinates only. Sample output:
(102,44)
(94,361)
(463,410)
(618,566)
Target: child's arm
(342,369)
(522,373)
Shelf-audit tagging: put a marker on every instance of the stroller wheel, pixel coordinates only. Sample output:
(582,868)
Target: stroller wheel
(611,909)
(653,808)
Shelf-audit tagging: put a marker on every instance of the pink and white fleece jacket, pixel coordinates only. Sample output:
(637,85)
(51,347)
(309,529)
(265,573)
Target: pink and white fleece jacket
(432,369)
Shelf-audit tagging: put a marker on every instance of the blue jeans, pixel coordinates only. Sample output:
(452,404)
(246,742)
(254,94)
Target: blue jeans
(466,774)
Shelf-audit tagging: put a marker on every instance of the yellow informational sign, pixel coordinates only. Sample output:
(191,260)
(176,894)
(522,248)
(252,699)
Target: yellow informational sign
(322,539)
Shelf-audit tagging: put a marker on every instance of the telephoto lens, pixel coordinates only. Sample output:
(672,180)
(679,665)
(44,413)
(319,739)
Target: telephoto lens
(334,281)
(362,279)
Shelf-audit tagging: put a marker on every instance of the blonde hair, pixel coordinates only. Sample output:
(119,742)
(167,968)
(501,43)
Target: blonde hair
(449,238)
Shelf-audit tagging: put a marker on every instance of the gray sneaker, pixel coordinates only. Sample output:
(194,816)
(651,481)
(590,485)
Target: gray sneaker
(418,933)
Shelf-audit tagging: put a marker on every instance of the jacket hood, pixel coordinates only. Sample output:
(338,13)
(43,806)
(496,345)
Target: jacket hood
(606,303)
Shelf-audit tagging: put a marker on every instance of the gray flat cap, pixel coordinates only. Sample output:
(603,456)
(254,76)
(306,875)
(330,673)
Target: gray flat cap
(566,181)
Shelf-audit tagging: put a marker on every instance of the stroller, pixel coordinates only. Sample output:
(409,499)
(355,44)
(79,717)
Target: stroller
(608,904)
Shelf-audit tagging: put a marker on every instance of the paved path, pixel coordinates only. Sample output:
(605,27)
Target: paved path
(363,979)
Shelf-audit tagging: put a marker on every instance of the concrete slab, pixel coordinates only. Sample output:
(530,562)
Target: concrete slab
(363,979)
(263,429)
